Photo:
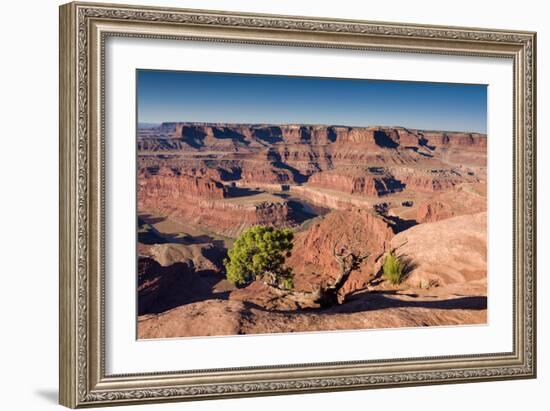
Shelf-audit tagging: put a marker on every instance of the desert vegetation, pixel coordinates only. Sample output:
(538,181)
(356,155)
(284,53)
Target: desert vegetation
(393,268)
(259,254)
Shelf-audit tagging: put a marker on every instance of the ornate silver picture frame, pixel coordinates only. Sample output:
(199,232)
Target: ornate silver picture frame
(84,30)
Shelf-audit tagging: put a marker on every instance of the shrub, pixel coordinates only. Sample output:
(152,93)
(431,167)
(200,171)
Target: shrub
(260,252)
(393,269)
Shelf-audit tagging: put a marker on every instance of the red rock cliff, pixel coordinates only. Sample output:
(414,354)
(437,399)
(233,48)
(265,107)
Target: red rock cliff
(354,182)
(167,186)
(357,230)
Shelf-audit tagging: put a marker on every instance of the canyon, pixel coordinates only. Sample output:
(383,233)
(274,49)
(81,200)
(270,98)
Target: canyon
(419,193)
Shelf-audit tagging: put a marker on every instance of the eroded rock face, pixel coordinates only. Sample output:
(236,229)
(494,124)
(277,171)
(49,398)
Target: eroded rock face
(161,288)
(432,211)
(445,252)
(462,199)
(354,230)
(332,199)
(292,154)
(202,257)
(455,140)
(239,137)
(432,179)
(203,202)
(362,182)
(166,186)
(255,173)
(226,218)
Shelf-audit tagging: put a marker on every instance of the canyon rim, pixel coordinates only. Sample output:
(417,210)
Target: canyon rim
(273,204)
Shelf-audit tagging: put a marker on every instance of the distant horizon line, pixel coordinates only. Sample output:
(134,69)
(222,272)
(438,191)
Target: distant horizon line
(152,124)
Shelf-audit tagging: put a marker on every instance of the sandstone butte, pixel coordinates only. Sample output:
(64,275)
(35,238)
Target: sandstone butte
(419,193)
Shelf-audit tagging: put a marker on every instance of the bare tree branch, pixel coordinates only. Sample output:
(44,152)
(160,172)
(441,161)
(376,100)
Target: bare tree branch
(327,294)
(394,249)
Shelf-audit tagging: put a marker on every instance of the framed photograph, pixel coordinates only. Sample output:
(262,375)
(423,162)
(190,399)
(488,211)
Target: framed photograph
(259,204)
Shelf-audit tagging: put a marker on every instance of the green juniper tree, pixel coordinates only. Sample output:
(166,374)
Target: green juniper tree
(259,253)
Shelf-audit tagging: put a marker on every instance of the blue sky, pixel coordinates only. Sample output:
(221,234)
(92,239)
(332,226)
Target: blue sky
(244,98)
